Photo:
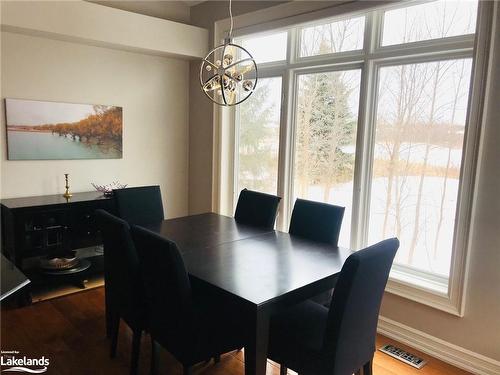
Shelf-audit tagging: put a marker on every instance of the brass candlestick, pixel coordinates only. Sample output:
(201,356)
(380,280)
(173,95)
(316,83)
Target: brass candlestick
(67,194)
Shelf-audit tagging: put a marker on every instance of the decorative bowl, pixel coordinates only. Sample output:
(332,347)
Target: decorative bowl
(107,190)
(59,263)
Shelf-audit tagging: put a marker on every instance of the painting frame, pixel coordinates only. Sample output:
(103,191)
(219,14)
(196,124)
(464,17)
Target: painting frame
(57,130)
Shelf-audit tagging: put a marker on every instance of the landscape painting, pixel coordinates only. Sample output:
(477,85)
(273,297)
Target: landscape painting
(40,130)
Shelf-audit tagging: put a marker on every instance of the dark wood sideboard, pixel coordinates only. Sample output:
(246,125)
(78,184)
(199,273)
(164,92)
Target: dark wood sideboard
(36,227)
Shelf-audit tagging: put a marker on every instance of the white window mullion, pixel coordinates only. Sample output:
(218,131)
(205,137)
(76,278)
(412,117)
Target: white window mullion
(287,135)
(366,140)
(367,132)
(285,161)
(236,155)
(366,159)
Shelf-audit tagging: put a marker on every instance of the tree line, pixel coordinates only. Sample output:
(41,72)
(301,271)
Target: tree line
(105,125)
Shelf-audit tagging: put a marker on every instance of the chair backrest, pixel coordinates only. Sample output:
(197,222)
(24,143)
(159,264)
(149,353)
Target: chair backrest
(124,287)
(349,340)
(257,209)
(316,221)
(139,205)
(167,287)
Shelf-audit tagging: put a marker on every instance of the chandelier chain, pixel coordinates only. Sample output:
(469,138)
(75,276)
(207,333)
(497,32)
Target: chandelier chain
(231,18)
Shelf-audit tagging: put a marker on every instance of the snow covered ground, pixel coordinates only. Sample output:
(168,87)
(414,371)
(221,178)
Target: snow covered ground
(424,257)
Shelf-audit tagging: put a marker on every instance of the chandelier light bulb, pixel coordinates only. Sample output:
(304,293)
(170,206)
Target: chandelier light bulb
(238,76)
(247,85)
(228,59)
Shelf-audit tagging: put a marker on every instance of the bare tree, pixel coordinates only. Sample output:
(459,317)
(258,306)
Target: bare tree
(457,95)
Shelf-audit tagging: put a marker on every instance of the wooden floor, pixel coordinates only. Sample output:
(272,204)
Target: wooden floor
(70,332)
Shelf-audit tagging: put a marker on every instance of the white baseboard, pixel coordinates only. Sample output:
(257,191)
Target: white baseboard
(437,348)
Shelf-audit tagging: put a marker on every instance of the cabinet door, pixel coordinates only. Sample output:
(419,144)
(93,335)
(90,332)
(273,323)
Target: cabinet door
(84,230)
(45,232)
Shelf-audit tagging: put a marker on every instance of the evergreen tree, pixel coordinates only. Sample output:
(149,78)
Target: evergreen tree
(325,127)
(258,135)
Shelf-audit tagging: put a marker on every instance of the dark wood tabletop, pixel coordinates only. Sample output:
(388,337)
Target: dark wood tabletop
(264,270)
(12,279)
(196,232)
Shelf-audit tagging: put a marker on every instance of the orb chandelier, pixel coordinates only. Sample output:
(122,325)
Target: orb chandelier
(228,74)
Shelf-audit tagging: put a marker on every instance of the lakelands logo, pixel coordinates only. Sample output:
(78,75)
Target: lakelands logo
(16,363)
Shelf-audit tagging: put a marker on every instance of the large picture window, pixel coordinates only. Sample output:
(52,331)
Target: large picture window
(420,127)
(325,139)
(368,111)
(258,138)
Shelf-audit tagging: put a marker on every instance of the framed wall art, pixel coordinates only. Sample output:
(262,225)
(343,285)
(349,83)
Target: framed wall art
(42,130)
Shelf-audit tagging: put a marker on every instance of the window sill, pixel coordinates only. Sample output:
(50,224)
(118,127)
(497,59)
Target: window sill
(420,279)
(426,289)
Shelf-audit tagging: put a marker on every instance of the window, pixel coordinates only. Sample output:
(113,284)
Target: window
(439,19)
(259,124)
(421,110)
(325,140)
(267,48)
(333,37)
(381,131)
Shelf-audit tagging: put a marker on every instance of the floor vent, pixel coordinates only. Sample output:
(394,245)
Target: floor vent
(403,356)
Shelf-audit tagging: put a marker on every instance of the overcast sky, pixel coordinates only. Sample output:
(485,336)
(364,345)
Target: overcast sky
(33,113)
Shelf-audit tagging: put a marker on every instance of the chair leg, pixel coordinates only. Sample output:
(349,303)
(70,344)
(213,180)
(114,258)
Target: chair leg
(109,315)
(368,368)
(187,370)
(283,370)
(114,328)
(108,323)
(155,356)
(136,348)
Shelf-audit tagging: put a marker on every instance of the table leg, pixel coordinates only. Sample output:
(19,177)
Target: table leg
(256,348)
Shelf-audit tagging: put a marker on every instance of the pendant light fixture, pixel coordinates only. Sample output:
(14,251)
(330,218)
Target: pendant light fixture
(228,74)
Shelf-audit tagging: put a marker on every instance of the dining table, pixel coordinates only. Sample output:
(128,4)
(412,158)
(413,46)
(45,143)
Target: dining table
(262,271)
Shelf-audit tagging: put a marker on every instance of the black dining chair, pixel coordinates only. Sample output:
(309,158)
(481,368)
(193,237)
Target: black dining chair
(319,222)
(124,288)
(139,205)
(316,221)
(192,327)
(314,340)
(257,209)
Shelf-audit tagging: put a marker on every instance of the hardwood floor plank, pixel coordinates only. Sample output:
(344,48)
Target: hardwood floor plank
(70,331)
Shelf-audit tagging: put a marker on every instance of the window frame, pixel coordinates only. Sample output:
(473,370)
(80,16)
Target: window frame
(370,59)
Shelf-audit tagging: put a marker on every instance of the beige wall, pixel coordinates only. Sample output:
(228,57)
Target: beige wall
(155,117)
(479,329)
